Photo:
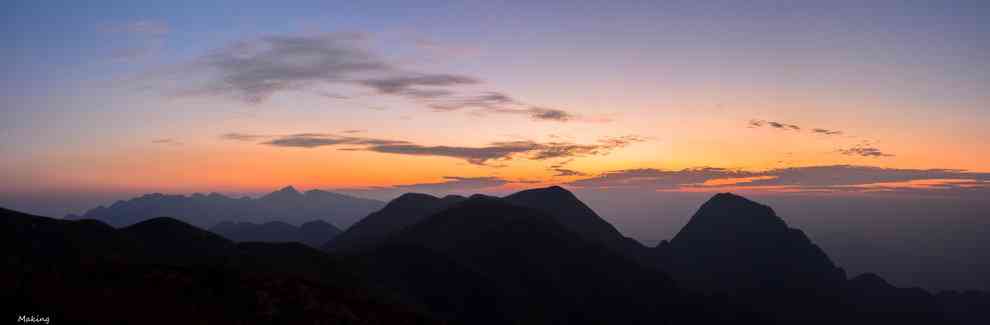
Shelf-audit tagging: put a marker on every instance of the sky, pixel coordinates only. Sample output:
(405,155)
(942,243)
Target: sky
(118,97)
(862,123)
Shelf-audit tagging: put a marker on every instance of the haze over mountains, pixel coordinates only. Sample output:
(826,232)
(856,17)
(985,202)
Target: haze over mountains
(539,256)
(933,243)
(285,205)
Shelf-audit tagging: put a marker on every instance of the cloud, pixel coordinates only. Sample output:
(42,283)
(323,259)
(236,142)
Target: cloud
(810,178)
(564,172)
(167,141)
(254,70)
(790,127)
(408,85)
(851,175)
(481,155)
(474,155)
(776,125)
(313,140)
(492,101)
(552,114)
(864,151)
(658,178)
(243,136)
(502,150)
(826,131)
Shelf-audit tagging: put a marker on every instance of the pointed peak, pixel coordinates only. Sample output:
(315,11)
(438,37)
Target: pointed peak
(289,189)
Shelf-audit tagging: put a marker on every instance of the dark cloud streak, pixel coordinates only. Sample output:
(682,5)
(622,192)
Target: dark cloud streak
(481,155)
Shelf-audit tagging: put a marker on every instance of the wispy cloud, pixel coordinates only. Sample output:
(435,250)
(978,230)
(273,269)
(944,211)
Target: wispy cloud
(772,124)
(658,178)
(313,140)
(564,172)
(167,141)
(826,131)
(243,136)
(480,155)
(411,86)
(254,70)
(864,151)
(755,123)
(811,178)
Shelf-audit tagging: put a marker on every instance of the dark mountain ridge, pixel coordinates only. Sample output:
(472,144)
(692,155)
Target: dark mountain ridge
(530,268)
(404,211)
(164,271)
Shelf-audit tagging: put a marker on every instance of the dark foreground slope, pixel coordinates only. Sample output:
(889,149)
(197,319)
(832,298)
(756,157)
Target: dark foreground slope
(567,210)
(314,233)
(163,271)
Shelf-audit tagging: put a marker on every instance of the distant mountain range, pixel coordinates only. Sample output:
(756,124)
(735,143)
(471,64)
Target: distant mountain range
(535,257)
(286,205)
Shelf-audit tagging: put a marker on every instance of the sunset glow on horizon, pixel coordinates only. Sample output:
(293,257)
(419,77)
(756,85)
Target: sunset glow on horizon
(130,99)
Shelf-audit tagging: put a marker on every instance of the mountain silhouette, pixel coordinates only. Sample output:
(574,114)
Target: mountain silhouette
(163,271)
(876,301)
(732,243)
(570,212)
(534,257)
(314,233)
(531,268)
(554,201)
(287,205)
(741,250)
(404,211)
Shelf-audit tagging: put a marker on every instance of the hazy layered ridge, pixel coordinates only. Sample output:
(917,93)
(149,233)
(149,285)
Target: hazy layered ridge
(286,205)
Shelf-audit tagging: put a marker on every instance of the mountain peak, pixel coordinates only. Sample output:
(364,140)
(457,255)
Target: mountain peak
(288,190)
(726,214)
(283,193)
(733,242)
